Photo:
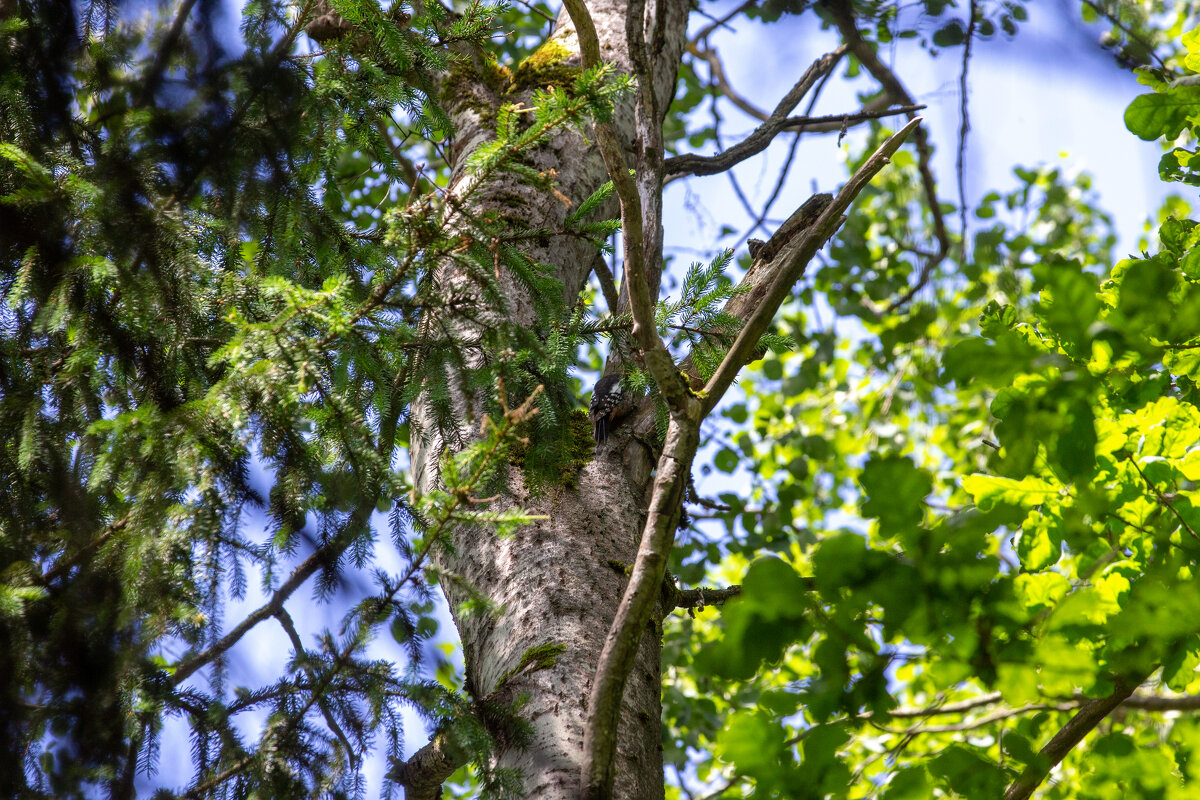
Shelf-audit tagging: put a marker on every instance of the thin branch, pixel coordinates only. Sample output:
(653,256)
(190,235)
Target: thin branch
(155,74)
(539,12)
(634,612)
(1162,499)
(1132,34)
(707,30)
(1139,701)
(843,16)
(326,554)
(320,557)
(835,122)
(699,598)
(788,161)
(1090,715)
(720,791)
(87,551)
(607,284)
(947,708)
(731,175)
(721,81)
(636,608)
(763,135)
(984,721)
(1155,702)
(964,128)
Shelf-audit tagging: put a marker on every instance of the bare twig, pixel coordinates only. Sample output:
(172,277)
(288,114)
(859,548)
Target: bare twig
(964,128)
(707,30)
(607,285)
(762,136)
(721,81)
(835,122)
(537,11)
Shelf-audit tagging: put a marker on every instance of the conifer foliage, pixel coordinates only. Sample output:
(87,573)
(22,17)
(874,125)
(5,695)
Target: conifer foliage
(215,259)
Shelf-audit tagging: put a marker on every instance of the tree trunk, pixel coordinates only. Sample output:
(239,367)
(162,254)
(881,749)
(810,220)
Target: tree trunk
(558,582)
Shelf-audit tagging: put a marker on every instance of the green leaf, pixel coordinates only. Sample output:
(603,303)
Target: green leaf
(726,460)
(967,774)
(754,744)
(1039,545)
(950,34)
(989,490)
(910,783)
(1165,114)
(895,492)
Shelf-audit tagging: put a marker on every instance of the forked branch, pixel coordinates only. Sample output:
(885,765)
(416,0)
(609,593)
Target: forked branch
(764,134)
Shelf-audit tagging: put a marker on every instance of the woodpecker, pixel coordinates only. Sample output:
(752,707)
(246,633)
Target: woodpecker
(610,400)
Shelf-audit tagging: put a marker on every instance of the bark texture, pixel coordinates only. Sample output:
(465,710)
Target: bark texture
(559,582)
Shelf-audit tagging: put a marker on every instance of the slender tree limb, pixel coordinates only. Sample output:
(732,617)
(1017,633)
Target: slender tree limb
(789,265)
(154,75)
(946,708)
(698,598)
(607,284)
(1157,702)
(1089,716)
(843,16)
(1138,701)
(707,30)
(320,557)
(721,81)
(657,359)
(788,161)
(674,466)
(835,122)
(326,554)
(642,238)
(84,553)
(985,720)
(763,135)
(964,128)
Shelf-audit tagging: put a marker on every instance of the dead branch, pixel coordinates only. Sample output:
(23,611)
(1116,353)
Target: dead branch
(764,134)
(789,265)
